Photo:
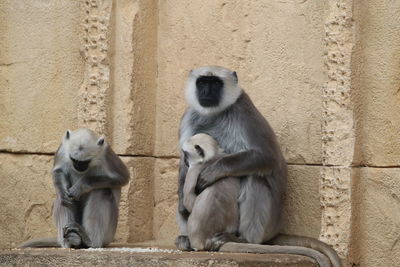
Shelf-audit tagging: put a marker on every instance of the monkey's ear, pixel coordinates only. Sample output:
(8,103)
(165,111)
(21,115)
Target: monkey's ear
(67,134)
(235,75)
(100,142)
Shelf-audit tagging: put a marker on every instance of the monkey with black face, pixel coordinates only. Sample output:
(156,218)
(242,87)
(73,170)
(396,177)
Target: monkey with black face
(88,177)
(219,108)
(215,210)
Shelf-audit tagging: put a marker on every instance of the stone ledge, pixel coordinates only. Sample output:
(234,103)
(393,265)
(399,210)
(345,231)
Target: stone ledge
(134,257)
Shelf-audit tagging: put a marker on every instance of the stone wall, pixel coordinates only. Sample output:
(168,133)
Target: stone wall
(324,73)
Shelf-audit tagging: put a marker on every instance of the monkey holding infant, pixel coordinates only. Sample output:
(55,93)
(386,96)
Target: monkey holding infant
(236,174)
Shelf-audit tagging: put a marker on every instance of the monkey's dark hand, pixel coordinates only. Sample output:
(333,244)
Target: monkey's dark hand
(208,176)
(66,200)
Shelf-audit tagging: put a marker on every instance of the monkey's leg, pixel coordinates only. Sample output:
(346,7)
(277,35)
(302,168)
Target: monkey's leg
(260,210)
(100,216)
(182,241)
(64,216)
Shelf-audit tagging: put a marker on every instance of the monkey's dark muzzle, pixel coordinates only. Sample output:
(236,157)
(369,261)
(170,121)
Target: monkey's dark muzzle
(209,90)
(80,165)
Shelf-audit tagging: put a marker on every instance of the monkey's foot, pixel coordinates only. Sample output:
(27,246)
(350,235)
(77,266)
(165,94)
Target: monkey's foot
(73,240)
(76,236)
(182,243)
(214,243)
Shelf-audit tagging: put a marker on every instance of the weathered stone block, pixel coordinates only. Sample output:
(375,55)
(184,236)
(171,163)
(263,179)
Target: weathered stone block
(302,212)
(134,70)
(26,198)
(40,73)
(137,202)
(376,222)
(377,83)
(165,200)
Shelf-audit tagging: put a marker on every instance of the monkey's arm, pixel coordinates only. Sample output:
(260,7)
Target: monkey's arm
(238,164)
(62,184)
(115,174)
(189,195)
(89,183)
(182,241)
(183,169)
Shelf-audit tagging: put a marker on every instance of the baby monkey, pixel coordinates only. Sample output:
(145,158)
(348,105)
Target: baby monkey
(88,177)
(215,210)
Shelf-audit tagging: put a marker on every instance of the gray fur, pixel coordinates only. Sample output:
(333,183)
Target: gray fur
(86,205)
(210,212)
(189,194)
(253,154)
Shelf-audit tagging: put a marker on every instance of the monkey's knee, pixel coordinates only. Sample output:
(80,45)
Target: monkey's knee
(197,240)
(198,243)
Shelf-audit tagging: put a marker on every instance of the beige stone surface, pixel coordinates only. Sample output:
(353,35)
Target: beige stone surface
(376,224)
(113,257)
(165,228)
(302,212)
(133,76)
(136,207)
(26,198)
(276,47)
(377,83)
(40,73)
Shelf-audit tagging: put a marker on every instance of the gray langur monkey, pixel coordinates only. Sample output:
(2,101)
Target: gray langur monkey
(220,108)
(211,211)
(88,177)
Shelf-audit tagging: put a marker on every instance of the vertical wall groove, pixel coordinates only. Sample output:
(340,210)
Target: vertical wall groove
(337,127)
(94,93)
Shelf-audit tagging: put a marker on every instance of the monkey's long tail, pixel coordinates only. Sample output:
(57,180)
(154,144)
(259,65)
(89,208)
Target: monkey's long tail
(321,259)
(293,240)
(46,242)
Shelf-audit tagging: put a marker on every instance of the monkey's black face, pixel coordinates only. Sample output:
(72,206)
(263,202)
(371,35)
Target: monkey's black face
(80,165)
(209,90)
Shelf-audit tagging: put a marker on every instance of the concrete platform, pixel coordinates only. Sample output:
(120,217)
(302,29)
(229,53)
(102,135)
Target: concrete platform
(144,257)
